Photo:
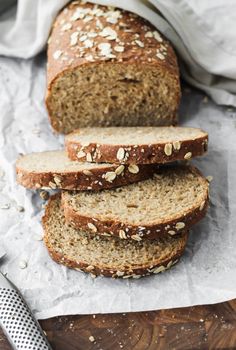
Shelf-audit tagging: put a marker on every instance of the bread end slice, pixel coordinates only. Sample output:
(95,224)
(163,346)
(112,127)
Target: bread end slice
(106,256)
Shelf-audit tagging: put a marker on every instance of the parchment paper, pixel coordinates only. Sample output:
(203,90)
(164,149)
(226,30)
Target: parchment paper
(207,272)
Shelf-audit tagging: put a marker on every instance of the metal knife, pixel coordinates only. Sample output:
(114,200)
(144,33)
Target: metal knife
(17,321)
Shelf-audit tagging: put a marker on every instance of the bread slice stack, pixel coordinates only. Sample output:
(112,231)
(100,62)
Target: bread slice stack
(126,204)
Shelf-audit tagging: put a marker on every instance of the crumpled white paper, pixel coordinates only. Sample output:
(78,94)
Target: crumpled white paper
(206,273)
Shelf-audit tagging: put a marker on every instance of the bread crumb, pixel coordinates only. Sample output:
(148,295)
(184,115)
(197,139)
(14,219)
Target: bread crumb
(5,206)
(92,339)
(23,264)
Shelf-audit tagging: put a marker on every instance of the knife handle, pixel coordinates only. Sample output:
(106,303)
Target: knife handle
(18,323)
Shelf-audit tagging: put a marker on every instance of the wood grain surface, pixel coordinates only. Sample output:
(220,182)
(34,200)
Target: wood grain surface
(210,327)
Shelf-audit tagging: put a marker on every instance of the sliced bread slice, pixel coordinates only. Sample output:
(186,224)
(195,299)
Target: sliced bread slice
(138,145)
(106,256)
(54,169)
(168,204)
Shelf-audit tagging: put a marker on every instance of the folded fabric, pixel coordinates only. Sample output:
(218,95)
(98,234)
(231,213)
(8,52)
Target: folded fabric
(203,34)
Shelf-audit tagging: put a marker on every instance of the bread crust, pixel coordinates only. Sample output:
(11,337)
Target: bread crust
(100,270)
(137,154)
(80,180)
(172,226)
(134,54)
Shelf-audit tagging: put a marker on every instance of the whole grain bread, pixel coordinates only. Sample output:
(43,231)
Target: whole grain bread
(105,256)
(170,203)
(109,67)
(138,145)
(53,169)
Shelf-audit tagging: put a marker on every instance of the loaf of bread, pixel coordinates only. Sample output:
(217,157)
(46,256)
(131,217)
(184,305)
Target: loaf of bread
(107,256)
(109,67)
(54,170)
(136,145)
(170,203)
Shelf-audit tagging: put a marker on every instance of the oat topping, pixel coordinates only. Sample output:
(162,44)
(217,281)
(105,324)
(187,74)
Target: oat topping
(81,154)
(168,149)
(57,179)
(57,54)
(172,233)
(188,155)
(157,36)
(92,227)
(108,33)
(120,154)
(122,234)
(120,273)
(118,48)
(177,145)
(74,38)
(180,225)
(158,269)
(110,176)
(160,55)
(202,206)
(139,43)
(209,178)
(88,43)
(136,238)
(87,172)
(89,157)
(119,170)
(52,185)
(66,26)
(133,168)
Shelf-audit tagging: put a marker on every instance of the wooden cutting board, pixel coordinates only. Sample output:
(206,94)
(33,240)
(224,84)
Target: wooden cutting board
(210,327)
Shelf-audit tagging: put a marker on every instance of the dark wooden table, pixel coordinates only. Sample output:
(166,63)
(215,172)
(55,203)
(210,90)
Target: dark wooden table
(200,327)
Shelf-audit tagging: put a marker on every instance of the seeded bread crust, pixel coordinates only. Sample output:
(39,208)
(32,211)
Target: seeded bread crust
(100,270)
(93,178)
(172,226)
(159,153)
(80,43)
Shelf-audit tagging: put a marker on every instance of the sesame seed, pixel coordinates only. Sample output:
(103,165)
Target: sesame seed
(120,154)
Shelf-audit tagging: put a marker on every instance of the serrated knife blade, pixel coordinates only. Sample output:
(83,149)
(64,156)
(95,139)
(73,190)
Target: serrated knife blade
(16,320)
